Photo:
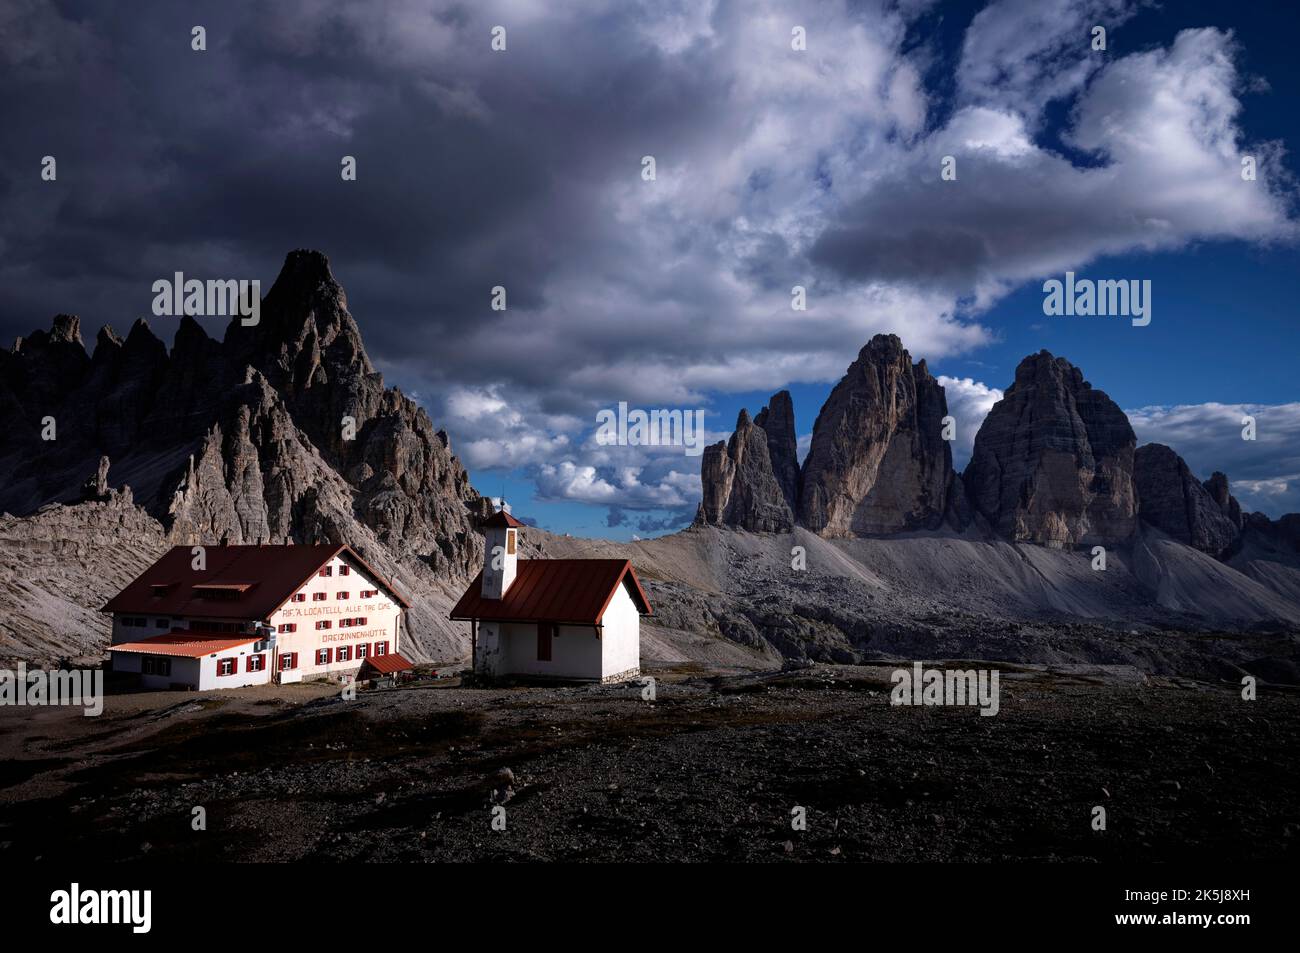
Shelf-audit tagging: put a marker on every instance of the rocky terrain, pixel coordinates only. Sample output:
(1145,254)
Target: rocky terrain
(898,550)
(710,770)
(874,546)
(281,432)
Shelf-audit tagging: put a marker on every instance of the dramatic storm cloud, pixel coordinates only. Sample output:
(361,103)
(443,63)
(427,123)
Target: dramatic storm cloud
(775,167)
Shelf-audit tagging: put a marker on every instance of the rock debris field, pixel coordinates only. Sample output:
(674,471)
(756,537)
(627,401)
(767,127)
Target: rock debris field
(711,770)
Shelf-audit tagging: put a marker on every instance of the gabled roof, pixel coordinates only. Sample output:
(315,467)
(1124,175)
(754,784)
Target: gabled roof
(388,664)
(501,518)
(181,644)
(575,591)
(253,581)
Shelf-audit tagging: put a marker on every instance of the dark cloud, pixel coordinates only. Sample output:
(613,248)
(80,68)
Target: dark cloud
(522,169)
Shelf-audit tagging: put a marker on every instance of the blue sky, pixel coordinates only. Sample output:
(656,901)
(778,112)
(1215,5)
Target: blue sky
(775,167)
(1224,326)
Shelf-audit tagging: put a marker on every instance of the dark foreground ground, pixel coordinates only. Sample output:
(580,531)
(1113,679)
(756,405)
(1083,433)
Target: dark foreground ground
(709,771)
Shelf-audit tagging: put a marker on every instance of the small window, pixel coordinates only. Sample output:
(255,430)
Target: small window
(327,571)
(341,595)
(255,663)
(288,660)
(510,542)
(345,653)
(300,597)
(319,596)
(362,651)
(323,624)
(323,656)
(345,570)
(545,631)
(359,621)
(156,666)
(225,666)
(381,648)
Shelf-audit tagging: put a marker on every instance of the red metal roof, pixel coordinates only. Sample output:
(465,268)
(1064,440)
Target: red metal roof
(388,664)
(259,580)
(501,518)
(575,591)
(183,644)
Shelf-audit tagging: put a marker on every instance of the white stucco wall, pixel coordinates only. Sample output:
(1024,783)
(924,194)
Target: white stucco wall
(185,671)
(200,673)
(488,650)
(383,620)
(575,652)
(383,617)
(510,648)
(621,641)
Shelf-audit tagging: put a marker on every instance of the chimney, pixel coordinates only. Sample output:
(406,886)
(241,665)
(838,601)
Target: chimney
(500,553)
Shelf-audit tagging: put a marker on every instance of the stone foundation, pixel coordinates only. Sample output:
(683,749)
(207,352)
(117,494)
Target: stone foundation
(621,676)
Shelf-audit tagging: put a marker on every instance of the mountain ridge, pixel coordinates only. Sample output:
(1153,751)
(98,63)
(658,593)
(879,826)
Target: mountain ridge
(285,432)
(281,432)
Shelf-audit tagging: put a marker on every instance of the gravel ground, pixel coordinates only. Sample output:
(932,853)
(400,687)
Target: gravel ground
(708,771)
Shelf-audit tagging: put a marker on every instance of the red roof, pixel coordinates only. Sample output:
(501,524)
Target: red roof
(184,644)
(501,518)
(388,664)
(257,579)
(575,591)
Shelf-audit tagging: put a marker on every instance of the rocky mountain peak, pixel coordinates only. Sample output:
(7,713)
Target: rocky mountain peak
(66,330)
(740,483)
(777,421)
(878,462)
(1217,487)
(107,343)
(1173,500)
(280,432)
(1053,461)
